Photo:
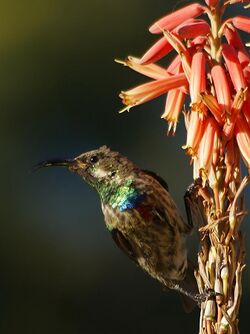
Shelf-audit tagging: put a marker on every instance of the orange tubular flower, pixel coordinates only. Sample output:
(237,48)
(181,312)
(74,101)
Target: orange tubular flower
(246,109)
(246,73)
(206,148)
(234,67)
(182,51)
(196,169)
(151,90)
(198,77)
(198,41)
(193,28)
(152,71)
(188,30)
(244,58)
(233,37)
(242,23)
(211,102)
(174,65)
(222,89)
(216,148)
(194,133)
(174,68)
(172,20)
(242,133)
(229,160)
(228,128)
(211,3)
(174,104)
(157,51)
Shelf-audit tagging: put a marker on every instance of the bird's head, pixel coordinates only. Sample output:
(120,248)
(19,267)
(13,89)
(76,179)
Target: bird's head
(100,168)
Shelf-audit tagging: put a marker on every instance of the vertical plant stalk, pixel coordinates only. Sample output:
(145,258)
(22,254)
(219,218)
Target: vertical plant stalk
(221,261)
(212,68)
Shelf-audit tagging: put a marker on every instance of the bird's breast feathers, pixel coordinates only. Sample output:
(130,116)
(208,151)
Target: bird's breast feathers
(125,197)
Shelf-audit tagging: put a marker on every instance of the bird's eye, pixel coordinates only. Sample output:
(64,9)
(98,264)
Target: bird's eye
(113,173)
(94,159)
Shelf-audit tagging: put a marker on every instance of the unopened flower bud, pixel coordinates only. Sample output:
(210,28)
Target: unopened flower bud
(210,310)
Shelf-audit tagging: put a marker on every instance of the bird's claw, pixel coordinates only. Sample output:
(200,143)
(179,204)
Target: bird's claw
(204,296)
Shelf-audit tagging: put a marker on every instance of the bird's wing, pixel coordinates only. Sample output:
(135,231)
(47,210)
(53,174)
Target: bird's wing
(158,213)
(194,208)
(123,243)
(159,208)
(157,177)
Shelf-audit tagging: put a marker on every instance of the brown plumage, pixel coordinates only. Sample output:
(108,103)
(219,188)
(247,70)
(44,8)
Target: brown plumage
(141,216)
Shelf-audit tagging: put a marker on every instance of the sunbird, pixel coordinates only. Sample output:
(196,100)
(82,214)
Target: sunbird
(141,217)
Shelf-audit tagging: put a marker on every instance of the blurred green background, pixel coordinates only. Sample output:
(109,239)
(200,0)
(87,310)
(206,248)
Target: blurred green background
(59,269)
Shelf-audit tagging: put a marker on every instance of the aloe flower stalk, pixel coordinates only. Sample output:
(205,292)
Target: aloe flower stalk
(212,67)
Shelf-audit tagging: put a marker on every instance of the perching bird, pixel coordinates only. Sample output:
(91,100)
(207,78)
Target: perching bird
(141,216)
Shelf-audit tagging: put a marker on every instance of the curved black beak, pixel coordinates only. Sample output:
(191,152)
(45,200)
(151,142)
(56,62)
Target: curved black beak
(52,163)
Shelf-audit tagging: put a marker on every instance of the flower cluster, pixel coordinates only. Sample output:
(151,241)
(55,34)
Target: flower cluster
(212,67)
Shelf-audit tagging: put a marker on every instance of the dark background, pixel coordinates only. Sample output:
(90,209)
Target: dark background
(59,269)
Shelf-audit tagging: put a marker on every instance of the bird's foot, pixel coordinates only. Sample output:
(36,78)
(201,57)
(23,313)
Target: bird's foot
(205,295)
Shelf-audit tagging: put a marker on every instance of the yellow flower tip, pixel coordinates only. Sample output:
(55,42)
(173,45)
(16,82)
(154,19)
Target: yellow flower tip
(125,101)
(245,90)
(160,28)
(169,128)
(129,61)
(189,150)
(133,59)
(127,108)
(172,127)
(204,176)
(212,104)
(121,95)
(239,99)
(176,41)
(228,120)
(123,62)
(200,108)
